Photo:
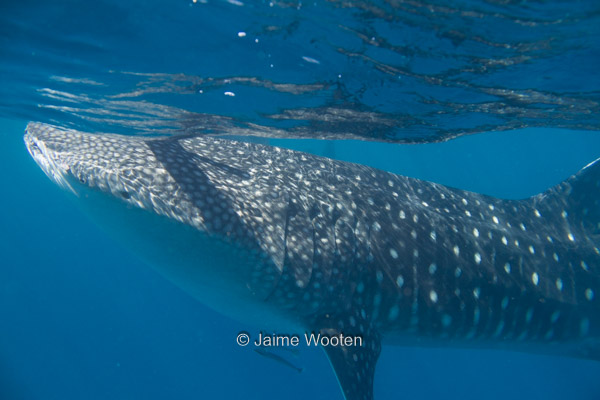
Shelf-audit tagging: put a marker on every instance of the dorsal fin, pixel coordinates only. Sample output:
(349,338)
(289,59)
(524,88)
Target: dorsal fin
(577,199)
(354,365)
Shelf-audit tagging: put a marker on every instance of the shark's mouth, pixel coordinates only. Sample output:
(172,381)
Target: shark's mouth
(53,169)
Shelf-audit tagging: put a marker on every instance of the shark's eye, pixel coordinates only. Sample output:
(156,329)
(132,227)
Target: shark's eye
(81,178)
(124,194)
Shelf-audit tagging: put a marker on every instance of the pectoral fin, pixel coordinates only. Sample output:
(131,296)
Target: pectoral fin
(354,365)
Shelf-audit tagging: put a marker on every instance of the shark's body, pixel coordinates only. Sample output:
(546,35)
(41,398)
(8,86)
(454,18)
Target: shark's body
(295,242)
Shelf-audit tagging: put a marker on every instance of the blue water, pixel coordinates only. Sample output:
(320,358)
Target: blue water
(80,317)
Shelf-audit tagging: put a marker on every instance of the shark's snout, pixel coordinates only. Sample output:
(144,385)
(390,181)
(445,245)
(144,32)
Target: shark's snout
(45,158)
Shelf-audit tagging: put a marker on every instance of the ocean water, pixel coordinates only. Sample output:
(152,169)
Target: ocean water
(496,97)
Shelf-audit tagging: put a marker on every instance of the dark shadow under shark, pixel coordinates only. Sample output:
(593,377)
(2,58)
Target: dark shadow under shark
(302,243)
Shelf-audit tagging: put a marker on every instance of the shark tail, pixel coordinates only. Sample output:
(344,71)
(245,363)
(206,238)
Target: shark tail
(574,203)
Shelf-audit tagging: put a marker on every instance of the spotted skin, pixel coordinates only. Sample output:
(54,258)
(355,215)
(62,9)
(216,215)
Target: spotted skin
(343,248)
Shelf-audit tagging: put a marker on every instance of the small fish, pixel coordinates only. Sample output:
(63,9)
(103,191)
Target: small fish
(277,358)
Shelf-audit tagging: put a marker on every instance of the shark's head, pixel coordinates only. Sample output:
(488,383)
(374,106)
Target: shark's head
(172,200)
(161,176)
(118,166)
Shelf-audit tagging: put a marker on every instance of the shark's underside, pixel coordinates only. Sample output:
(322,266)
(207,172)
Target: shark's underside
(294,241)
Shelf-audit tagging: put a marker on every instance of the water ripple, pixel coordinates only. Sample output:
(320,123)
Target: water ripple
(398,71)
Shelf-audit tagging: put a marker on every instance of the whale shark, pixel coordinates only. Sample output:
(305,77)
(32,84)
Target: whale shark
(297,243)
